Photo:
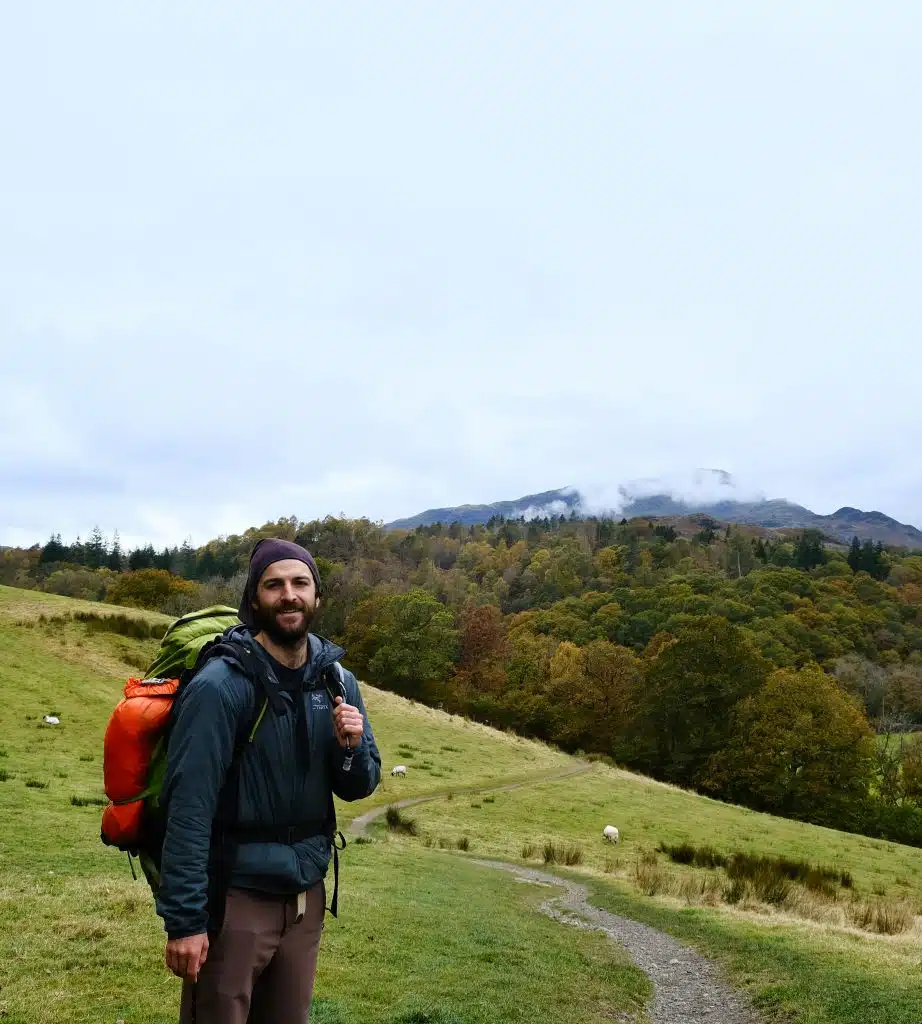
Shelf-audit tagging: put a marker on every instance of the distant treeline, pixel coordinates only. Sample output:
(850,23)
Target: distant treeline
(749,665)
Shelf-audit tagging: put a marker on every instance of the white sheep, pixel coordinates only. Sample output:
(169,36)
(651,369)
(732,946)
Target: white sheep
(399,769)
(611,834)
(51,720)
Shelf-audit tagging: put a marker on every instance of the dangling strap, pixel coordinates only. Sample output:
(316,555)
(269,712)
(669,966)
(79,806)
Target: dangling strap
(334,903)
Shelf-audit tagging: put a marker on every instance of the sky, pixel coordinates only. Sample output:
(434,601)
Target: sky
(294,258)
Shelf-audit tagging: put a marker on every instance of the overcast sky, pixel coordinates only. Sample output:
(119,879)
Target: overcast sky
(303,258)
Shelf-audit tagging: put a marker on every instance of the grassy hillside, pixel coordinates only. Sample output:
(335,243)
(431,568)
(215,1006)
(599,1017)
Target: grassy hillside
(424,935)
(79,940)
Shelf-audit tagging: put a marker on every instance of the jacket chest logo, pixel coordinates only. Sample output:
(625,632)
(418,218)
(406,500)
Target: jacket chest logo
(319,701)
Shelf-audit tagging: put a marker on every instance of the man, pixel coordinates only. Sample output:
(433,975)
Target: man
(247,949)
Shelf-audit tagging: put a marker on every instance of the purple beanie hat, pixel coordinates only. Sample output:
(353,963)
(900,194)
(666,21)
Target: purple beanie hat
(267,551)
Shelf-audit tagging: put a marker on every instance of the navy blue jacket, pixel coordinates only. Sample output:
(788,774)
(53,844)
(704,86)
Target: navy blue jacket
(278,784)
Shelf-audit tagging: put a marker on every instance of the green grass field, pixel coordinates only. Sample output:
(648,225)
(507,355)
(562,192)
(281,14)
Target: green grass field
(424,935)
(79,940)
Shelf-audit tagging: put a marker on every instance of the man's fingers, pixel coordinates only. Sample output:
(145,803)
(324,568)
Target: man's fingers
(185,957)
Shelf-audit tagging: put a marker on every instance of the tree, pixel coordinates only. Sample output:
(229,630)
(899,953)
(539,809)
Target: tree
(855,559)
(691,686)
(410,643)
(143,558)
(483,649)
(868,557)
(809,550)
(53,551)
(114,559)
(95,550)
(591,691)
(799,747)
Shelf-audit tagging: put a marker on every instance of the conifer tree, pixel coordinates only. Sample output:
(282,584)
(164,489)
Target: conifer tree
(114,559)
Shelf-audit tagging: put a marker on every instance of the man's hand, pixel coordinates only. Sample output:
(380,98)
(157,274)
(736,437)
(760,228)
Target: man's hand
(349,724)
(185,957)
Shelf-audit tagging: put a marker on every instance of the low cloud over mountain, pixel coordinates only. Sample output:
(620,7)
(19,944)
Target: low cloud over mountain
(712,492)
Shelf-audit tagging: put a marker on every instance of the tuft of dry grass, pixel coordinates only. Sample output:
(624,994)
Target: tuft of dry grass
(399,823)
(650,878)
(883,917)
(561,853)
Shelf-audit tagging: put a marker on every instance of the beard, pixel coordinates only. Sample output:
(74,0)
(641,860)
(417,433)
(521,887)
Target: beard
(266,620)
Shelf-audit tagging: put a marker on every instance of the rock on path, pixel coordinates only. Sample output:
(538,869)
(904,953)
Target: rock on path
(687,988)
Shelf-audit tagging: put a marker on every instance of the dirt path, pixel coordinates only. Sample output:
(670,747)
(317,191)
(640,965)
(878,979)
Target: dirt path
(358,826)
(687,988)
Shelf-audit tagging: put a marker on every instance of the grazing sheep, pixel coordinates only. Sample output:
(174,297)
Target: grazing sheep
(611,834)
(51,720)
(399,769)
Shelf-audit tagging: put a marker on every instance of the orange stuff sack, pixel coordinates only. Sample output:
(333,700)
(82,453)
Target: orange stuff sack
(138,724)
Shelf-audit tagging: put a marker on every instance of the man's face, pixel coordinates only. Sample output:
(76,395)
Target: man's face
(286,602)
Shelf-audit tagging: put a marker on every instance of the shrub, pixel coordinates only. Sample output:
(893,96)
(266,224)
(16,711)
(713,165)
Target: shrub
(397,822)
(88,801)
(464,843)
(86,584)
(36,784)
(4,775)
(529,850)
(149,588)
(611,865)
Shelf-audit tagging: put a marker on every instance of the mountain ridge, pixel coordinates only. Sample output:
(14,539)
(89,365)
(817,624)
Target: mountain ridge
(770,513)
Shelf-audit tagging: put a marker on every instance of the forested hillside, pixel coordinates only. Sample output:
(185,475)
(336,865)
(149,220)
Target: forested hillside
(751,665)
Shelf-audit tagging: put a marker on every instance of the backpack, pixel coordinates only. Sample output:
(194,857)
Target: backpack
(135,746)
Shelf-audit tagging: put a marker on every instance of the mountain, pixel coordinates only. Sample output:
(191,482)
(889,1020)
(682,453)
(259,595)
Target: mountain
(774,513)
(532,506)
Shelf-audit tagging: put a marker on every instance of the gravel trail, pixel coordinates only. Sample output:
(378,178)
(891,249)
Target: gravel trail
(687,988)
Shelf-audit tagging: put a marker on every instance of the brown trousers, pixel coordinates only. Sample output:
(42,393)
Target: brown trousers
(260,968)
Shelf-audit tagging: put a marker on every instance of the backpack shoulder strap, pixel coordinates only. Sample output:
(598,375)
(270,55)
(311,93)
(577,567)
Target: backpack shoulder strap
(334,682)
(233,647)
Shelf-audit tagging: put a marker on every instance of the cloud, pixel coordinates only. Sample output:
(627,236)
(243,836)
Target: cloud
(288,260)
